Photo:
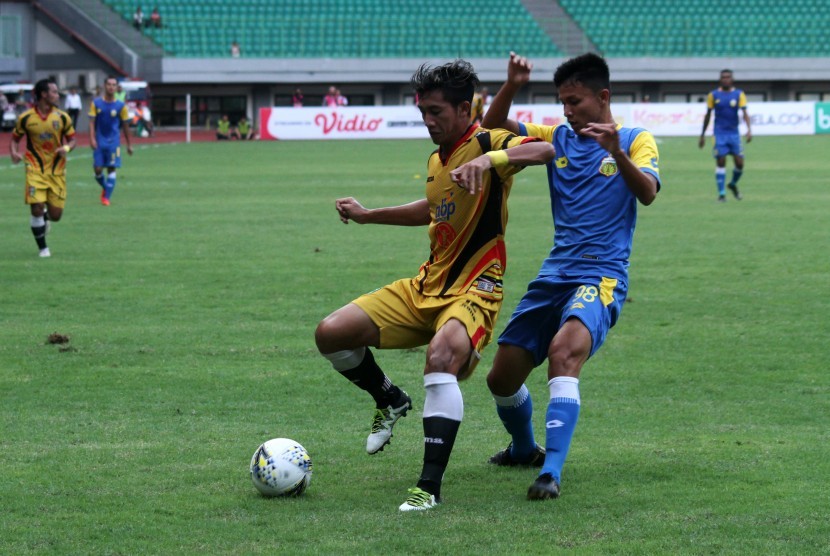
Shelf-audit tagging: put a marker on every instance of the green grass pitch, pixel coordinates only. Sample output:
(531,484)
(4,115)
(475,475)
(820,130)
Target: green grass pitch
(191,303)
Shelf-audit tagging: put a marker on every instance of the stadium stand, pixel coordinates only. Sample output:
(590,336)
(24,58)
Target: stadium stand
(345,28)
(704,28)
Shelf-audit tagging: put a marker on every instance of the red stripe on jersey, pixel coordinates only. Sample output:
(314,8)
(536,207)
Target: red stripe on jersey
(498,252)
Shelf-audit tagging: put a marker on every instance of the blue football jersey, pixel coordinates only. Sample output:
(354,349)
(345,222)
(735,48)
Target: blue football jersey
(726,105)
(108,117)
(594,211)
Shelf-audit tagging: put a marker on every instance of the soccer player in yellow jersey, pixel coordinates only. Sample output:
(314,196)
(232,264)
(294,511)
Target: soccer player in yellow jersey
(453,302)
(49,138)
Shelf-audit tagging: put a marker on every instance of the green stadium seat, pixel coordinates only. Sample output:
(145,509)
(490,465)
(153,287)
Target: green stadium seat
(345,28)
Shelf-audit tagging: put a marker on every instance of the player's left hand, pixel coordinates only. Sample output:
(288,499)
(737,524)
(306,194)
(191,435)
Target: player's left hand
(748,136)
(130,150)
(604,134)
(470,176)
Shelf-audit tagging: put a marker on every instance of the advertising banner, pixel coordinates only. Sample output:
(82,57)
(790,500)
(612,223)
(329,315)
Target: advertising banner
(823,117)
(661,119)
(347,122)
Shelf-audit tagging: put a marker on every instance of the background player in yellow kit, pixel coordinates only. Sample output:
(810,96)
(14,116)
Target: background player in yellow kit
(49,138)
(453,302)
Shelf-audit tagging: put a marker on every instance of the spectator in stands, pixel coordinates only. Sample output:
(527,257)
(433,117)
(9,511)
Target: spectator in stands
(120,93)
(236,52)
(244,130)
(73,105)
(297,99)
(223,129)
(331,98)
(341,99)
(155,18)
(138,18)
(726,101)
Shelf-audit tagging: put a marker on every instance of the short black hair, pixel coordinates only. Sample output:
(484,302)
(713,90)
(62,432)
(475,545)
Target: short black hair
(42,87)
(589,69)
(726,71)
(457,80)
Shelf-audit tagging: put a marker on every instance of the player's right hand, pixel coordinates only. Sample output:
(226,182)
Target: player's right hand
(518,69)
(349,209)
(701,142)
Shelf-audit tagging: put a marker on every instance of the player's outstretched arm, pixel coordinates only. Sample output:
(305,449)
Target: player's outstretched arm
(518,74)
(415,213)
(470,176)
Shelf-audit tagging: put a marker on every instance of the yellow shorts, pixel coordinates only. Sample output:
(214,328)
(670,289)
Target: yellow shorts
(45,188)
(406,318)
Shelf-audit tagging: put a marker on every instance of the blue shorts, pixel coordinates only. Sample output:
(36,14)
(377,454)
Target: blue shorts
(551,300)
(728,144)
(107,157)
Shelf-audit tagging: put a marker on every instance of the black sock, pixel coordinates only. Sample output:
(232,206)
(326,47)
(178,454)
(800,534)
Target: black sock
(439,437)
(368,376)
(40,236)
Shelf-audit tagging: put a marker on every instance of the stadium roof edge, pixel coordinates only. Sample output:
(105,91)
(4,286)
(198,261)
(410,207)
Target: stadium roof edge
(399,70)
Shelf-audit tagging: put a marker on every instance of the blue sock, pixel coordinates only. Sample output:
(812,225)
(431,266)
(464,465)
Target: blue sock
(109,185)
(560,422)
(100,179)
(720,179)
(736,175)
(515,413)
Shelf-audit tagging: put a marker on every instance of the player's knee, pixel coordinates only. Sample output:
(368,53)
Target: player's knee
(564,359)
(323,336)
(497,384)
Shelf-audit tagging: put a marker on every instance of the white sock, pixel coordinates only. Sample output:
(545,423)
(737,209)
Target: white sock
(443,397)
(564,387)
(347,359)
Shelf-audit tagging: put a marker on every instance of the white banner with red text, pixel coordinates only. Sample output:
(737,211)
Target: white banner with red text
(404,122)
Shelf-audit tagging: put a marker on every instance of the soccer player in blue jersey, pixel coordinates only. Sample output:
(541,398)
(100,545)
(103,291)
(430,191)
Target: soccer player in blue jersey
(726,101)
(108,116)
(599,173)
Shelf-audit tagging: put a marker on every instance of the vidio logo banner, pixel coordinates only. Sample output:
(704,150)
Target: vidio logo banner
(823,117)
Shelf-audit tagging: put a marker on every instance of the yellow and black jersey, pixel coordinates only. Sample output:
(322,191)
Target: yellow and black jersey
(44,135)
(466,233)
(477,108)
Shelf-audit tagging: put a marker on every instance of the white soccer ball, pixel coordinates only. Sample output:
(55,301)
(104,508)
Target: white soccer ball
(281,467)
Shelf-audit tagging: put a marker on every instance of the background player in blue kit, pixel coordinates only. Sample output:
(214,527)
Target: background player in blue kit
(725,101)
(599,172)
(107,117)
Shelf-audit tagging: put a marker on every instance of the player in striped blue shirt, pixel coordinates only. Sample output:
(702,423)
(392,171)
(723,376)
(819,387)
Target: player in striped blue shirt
(599,173)
(725,102)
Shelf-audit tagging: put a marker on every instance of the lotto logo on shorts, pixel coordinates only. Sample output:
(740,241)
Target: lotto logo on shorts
(32,191)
